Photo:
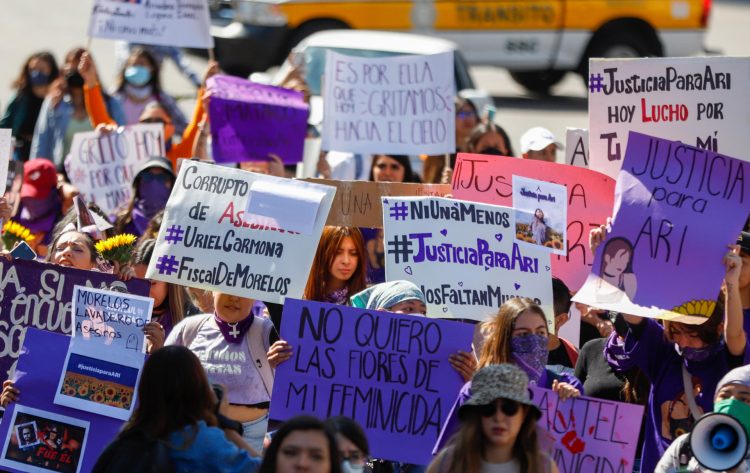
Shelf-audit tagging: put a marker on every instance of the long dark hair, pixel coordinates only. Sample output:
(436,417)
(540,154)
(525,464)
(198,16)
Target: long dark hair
(23,82)
(177,296)
(154,81)
(484,128)
(614,246)
(403,160)
(468,444)
(320,273)
(173,393)
(305,423)
(351,430)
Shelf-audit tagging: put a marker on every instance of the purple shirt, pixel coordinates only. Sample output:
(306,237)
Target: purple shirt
(452,422)
(667,414)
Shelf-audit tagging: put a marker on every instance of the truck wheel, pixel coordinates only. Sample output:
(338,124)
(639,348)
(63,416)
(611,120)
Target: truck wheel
(617,44)
(538,82)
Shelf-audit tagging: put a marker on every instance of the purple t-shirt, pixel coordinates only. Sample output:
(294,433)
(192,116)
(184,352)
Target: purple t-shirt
(452,423)
(667,412)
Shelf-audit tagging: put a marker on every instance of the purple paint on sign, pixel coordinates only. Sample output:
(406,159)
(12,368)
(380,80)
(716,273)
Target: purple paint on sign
(39,368)
(338,369)
(41,295)
(249,121)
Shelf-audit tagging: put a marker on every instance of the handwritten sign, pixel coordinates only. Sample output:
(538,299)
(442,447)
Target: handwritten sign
(389,372)
(183,23)
(6,152)
(106,352)
(208,240)
(81,435)
(701,101)
(463,256)
(397,105)
(678,207)
(102,166)
(541,213)
(40,295)
(592,435)
(249,121)
(357,203)
(577,147)
(489,179)
(13,184)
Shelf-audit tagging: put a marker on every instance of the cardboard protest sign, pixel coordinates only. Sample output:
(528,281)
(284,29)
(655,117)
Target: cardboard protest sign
(209,240)
(357,203)
(183,23)
(489,179)
(389,372)
(106,352)
(6,153)
(577,147)
(395,105)
(701,101)
(40,295)
(591,434)
(677,209)
(102,166)
(249,121)
(541,214)
(39,435)
(463,255)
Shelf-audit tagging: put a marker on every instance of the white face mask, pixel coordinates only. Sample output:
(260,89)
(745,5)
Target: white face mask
(347,467)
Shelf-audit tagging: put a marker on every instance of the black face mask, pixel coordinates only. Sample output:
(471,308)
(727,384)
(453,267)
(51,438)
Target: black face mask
(74,80)
(492,151)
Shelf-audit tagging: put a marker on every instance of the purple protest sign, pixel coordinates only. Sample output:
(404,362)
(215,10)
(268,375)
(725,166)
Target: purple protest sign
(590,434)
(40,295)
(249,121)
(82,434)
(677,208)
(389,372)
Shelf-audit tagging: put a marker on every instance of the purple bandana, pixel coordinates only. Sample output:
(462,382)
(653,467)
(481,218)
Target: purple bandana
(339,296)
(234,333)
(530,353)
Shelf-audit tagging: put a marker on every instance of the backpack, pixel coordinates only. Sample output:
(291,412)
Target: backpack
(135,452)
(257,341)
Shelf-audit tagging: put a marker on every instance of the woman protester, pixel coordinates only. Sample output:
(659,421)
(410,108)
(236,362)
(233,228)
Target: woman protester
(338,269)
(517,334)
(302,443)
(498,430)
(31,86)
(151,188)
(683,362)
(63,113)
(352,444)
(178,423)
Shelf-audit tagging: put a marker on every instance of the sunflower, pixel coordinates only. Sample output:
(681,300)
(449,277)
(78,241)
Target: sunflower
(557,244)
(14,233)
(117,248)
(98,398)
(110,392)
(83,390)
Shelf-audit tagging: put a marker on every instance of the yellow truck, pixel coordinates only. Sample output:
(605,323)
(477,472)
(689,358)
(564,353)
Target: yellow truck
(538,41)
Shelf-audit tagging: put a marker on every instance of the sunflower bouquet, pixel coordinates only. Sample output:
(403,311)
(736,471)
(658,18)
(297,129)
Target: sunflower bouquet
(13,233)
(117,249)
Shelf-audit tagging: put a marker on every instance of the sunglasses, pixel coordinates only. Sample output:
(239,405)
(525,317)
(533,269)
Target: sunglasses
(507,407)
(464,114)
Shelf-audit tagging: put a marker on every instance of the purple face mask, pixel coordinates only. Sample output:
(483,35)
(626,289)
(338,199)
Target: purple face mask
(699,354)
(153,192)
(530,353)
(39,215)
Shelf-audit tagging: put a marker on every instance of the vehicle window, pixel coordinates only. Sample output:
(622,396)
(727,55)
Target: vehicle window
(461,69)
(315,59)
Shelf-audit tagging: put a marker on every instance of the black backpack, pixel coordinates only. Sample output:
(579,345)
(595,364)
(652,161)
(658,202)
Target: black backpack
(135,452)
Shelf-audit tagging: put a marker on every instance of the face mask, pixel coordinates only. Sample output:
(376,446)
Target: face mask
(38,78)
(737,409)
(699,354)
(74,80)
(154,193)
(347,467)
(492,151)
(137,75)
(529,352)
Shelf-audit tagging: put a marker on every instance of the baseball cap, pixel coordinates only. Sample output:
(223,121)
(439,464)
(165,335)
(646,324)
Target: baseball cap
(538,138)
(39,178)
(159,162)
(744,242)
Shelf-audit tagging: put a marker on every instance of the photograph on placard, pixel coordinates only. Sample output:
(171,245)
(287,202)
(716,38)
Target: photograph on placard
(99,381)
(541,213)
(41,441)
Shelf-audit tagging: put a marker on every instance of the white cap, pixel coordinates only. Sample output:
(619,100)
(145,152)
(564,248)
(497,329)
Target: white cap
(538,138)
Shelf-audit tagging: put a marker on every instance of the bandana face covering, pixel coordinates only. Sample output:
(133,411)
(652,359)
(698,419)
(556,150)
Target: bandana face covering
(234,332)
(39,215)
(530,353)
(699,354)
(153,194)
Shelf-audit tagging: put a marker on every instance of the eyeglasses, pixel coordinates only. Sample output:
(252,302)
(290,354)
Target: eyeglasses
(464,114)
(507,407)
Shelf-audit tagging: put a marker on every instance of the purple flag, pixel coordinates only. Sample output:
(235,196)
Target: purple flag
(677,208)
(57,438)
(249,121)
(389,372)
(40,295)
